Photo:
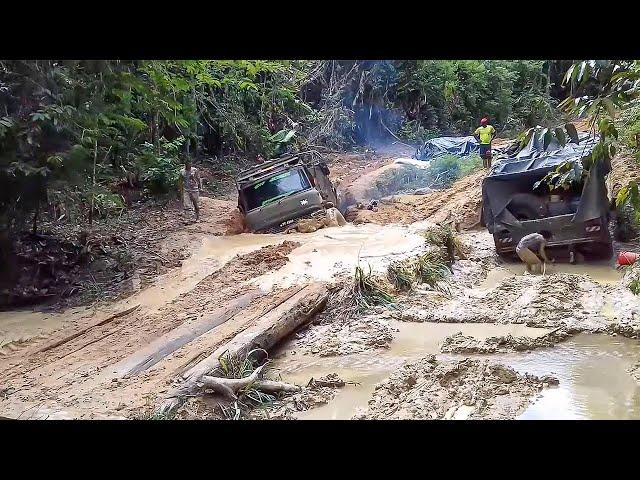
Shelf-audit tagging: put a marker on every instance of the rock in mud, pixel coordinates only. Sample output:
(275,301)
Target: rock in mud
(475,389)
(459,343)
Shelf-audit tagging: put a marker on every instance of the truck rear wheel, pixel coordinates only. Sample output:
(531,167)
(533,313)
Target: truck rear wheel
(598,250)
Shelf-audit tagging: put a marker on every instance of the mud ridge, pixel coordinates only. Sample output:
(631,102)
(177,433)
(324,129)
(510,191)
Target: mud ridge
(465,389)
(459,343)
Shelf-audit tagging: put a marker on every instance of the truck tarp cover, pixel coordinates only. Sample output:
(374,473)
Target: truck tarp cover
(516,174)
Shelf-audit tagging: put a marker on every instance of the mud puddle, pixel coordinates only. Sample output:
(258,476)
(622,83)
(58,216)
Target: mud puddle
(322,255)
(21,325)
(331,251)
(603,273)
(592,369)
(412,341)
(594,382)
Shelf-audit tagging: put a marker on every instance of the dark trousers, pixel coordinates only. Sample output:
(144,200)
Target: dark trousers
(485,154)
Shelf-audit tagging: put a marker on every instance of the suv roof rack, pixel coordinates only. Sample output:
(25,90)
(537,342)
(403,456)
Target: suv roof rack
(267,167)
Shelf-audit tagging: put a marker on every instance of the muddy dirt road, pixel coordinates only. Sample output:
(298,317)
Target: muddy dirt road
(493,344)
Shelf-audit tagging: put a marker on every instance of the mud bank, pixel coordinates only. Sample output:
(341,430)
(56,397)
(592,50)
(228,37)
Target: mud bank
(460,204)
(347,337)
(466,389)
(558,300)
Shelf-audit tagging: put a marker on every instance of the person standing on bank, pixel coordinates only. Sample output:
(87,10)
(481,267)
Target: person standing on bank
(191,185)
(485,134)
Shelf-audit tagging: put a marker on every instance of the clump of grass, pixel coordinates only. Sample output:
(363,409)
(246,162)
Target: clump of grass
(429,268)
(402,274)
(632,278)
(370,291)
(234,366)
(364,291)
(443,237)
(151,414)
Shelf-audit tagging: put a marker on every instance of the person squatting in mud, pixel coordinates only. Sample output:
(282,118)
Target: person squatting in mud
(530,244)
(191,184)
(485,133)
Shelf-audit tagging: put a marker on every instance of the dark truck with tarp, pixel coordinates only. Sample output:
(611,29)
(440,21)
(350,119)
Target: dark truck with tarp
(275,195)
(576,217)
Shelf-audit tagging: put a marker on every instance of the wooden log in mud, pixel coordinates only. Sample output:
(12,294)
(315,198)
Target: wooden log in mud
(266,332)
(178,337)
(229,386)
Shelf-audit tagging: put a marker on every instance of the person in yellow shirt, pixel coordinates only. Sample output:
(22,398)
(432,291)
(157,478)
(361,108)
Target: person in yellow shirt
(485,133)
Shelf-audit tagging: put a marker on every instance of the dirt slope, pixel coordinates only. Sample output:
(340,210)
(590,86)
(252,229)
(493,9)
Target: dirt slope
(461,204)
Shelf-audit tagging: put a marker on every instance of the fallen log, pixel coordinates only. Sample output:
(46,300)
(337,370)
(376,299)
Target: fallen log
(242,320)
(272,386)
(178,337)
(221,385)
(266,332)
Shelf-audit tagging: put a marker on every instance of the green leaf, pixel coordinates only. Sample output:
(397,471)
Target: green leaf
(7,122)
(561,136)
(570,74)
(55,161)
(572,131)
(547,136)
(611,108)
(583,66)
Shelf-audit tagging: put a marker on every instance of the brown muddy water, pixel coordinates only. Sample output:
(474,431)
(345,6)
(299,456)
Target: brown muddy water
(594,383)
(323,254)
(411,342)
(603,273)
(21,325)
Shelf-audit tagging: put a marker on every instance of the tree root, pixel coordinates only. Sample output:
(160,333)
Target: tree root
(230,386)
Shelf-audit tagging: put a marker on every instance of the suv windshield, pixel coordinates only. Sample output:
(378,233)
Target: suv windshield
(275,188)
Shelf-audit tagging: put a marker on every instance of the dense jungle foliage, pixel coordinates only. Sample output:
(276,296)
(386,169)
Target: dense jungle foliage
(71,130)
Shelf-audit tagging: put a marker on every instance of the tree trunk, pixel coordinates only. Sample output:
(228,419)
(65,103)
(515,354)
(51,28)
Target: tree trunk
(93,180)
(156,132)
(230,386)
(36,215)
(170,342)
(268,330)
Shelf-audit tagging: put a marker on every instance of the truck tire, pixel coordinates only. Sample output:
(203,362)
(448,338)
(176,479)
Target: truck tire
(598,250)
(606,250)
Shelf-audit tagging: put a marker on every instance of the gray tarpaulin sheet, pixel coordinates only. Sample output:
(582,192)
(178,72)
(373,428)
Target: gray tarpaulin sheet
(460,146)
(518,173)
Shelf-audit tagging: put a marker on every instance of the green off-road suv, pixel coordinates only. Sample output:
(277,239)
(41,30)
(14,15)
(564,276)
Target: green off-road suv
(275,195)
